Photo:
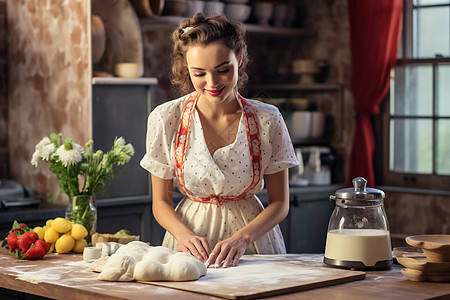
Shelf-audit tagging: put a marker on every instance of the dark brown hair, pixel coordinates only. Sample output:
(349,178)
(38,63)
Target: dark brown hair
(199,30)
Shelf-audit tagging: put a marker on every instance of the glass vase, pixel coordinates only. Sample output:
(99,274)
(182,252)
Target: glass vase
(82,209)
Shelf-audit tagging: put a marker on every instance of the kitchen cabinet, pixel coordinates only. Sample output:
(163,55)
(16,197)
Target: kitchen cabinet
(305,227)
(120,107)
(31,217)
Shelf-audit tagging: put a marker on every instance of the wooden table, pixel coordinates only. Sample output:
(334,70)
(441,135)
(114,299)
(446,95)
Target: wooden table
(64,277)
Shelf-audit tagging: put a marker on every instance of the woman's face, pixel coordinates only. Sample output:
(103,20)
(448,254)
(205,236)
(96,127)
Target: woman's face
(213,69)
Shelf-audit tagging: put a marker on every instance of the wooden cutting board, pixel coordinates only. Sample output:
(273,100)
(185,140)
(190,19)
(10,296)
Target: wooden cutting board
(254,279)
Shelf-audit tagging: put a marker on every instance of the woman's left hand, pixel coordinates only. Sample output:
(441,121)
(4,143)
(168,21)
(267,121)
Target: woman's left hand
(227,252)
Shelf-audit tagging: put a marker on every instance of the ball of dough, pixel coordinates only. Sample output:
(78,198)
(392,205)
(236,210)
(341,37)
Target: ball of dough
(139,261)
(119,267)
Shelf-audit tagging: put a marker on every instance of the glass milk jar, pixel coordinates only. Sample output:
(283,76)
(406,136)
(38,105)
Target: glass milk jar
(358,231)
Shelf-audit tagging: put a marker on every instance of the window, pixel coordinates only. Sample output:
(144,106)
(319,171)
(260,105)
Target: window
(416,116)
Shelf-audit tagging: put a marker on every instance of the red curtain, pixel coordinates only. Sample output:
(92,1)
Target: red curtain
(375,27)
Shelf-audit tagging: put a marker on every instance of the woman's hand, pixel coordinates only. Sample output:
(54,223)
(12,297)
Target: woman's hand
(195,245)
(228,252)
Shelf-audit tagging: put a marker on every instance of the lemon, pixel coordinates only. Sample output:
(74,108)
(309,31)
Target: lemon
(40,232)
(61,225)
(79,231)
(51,235)
(79,246)
(64,244)
(49,222)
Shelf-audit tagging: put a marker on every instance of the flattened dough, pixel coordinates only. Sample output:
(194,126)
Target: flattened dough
(139,261)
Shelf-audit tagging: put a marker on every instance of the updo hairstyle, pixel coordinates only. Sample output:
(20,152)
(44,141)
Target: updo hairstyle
(201,31)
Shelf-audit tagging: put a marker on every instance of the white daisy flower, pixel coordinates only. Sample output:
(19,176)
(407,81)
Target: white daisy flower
(44,142)
(46,151)
(71,156)
(119,142)
(129,149)
(35,158)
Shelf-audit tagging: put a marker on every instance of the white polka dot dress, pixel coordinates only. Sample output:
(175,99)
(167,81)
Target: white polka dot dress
(228,172)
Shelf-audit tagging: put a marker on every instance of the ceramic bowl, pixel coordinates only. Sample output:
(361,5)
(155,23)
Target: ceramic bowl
(193,7)
(263,12)
(128,70)
(213,8)
(435,246)
(91,253)
(299,125)
(238,12)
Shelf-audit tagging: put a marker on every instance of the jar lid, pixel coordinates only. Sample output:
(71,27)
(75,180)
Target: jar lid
(359,191)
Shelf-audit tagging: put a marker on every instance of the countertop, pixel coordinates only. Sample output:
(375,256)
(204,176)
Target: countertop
(41,278)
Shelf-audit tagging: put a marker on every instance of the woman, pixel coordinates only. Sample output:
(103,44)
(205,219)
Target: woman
(220,147)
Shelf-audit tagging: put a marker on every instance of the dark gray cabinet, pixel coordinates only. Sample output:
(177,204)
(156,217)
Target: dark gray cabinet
(120,107)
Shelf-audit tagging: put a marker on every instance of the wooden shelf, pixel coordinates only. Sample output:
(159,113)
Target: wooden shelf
(331,87)
(124,81)
(169,23)
(312,141)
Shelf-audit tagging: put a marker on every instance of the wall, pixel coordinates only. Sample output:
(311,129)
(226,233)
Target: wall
(4,152)
(49,81)
(418,213)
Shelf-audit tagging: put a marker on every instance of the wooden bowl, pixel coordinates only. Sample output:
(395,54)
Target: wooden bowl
(435,246)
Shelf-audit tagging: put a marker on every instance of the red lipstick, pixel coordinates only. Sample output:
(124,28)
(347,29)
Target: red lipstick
(215,93)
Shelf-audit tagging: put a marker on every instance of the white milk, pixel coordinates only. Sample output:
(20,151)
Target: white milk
(365,245)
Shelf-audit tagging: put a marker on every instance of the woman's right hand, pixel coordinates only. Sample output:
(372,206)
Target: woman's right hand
(195,245)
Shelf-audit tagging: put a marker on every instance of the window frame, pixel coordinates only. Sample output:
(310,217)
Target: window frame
(382,122)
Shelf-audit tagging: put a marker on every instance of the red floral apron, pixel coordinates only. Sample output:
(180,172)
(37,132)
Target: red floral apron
(254,141)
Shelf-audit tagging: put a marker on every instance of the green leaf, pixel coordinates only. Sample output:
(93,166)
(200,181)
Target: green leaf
(5,244)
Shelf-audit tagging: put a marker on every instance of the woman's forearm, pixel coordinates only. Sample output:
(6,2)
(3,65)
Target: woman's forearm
(278,194)
(162,207)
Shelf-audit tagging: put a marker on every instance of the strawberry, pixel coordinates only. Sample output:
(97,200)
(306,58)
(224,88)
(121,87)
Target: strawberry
(41,243)
(23,225)
(12,239)
(35,252)
(26,240)
(19,231)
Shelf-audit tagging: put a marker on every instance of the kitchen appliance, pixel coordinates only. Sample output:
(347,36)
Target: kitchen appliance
(296,177)
(14,195)
(358,232)
(317,163)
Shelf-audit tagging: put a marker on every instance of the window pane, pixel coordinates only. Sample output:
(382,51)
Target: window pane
(443,90)
(430,2)
(443,150)
(431,32)
(410,146)
(412,94)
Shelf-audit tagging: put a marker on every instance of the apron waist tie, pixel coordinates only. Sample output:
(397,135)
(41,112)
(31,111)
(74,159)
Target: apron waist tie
(216,199)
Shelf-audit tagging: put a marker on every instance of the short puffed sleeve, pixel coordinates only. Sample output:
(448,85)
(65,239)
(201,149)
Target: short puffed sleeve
(161,132)
(283,154)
